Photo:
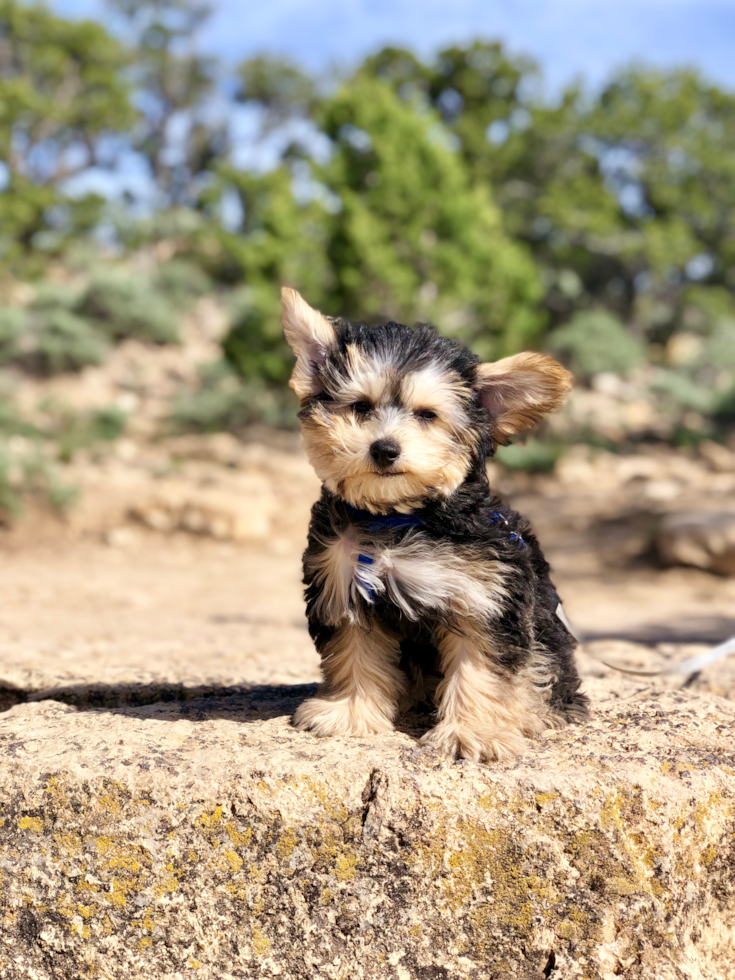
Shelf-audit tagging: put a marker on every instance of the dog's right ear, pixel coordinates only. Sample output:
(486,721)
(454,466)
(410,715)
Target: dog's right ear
(309,336)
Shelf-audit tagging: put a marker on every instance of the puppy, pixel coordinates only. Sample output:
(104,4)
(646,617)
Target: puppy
(420,584)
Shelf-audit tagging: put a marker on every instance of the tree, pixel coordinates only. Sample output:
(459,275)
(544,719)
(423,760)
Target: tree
(62,102)
(412,237)
(179,133)
(667,141)
(389,228)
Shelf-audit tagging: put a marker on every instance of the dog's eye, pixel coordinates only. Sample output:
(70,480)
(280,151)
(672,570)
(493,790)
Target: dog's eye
(426,414)
(323,396)
(361,408)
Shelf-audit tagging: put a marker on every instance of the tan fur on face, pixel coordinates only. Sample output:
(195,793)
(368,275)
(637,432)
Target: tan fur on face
(309,336)
(435,455)
(362,685)
(520,390)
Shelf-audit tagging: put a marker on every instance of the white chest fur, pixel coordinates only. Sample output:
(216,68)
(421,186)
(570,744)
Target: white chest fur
(417,574)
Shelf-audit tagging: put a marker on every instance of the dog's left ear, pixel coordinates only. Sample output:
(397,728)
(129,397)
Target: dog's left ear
(520,390)
(309,336)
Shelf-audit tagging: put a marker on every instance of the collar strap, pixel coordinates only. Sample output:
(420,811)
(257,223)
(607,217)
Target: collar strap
(383,522)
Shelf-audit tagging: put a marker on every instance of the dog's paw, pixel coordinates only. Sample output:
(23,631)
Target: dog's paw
(341,716)
(486,745)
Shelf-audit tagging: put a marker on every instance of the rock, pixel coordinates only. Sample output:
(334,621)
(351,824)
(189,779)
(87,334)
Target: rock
(705,540)
(720,458)
(237,512)
(206,838)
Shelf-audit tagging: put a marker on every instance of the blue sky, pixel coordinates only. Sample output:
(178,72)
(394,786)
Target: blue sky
(569,37)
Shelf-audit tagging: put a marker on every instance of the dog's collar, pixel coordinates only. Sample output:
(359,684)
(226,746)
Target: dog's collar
(375,523)
(382,522)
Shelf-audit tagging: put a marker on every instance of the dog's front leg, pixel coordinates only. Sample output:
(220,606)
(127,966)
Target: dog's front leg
(482,714)
(362,684)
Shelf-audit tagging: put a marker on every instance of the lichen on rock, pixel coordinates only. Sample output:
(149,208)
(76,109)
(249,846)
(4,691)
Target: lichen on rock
(202,839)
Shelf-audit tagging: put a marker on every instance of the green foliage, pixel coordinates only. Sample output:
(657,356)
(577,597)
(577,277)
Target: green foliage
(12,322)
(533,456)
(181,282)
(127,306)
(595,341)
(392,229)
(412,238)
(61,89)
(27,467)
(63,341)
(225,401)
(175,84)
(74,431)
(255,346)
(279,87)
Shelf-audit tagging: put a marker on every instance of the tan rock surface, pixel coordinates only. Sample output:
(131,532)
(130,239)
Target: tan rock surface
(207,838)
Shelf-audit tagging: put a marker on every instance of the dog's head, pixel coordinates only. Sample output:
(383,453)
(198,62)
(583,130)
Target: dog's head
(393,417)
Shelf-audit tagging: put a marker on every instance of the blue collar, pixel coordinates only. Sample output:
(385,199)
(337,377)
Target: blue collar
(383,522)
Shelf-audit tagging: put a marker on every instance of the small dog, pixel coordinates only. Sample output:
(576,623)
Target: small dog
(420,585)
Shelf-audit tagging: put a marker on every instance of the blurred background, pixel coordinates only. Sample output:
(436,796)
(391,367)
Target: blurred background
(555,175)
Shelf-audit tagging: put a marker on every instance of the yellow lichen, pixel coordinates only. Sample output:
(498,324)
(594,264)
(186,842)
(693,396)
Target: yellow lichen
(260,942)
(286,844)
(34,824)
(238,839)
(209,821)
(235,860)
(346,866)
(334,808)
(168,883)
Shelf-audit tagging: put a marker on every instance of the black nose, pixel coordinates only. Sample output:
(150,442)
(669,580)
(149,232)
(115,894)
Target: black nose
(385,452)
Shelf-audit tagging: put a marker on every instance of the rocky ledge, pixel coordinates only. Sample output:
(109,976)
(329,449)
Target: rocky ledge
(205,838)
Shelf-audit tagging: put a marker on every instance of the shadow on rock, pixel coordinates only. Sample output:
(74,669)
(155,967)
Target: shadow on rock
(685,629)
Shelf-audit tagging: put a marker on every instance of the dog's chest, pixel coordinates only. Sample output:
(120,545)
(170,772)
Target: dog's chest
(355,571)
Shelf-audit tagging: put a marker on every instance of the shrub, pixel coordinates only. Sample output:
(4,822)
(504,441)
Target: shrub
(531,457)
(127,306)
(224,401)
(255,345)
(181,282)
(595,342)
(12,324)
(72,431)
(63,341)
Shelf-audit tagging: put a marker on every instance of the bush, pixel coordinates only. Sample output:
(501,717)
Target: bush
(531,457)
(181,282)
(12,325)
(72,431)
(595,342)
(63,341)
(255,345)
(128,307)
(224,401)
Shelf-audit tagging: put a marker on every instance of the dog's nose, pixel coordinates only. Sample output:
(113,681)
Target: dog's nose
(385,452)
